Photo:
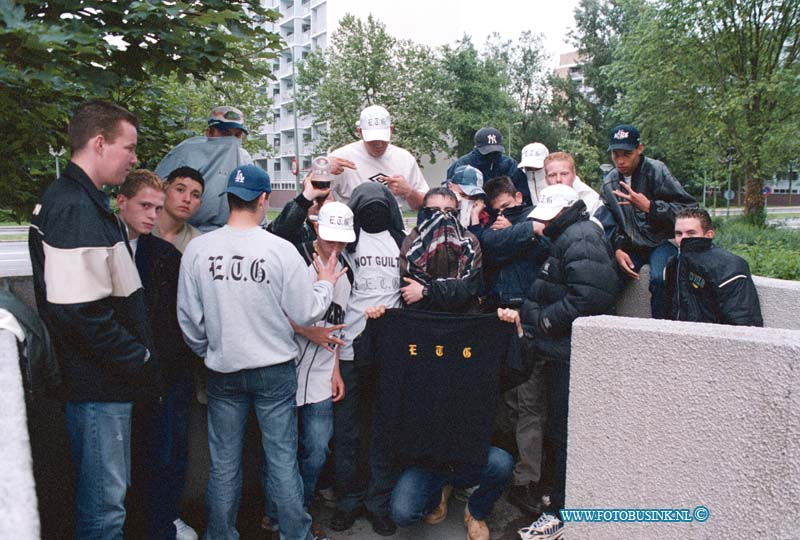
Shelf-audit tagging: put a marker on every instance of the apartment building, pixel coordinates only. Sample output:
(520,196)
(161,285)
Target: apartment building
(305,25)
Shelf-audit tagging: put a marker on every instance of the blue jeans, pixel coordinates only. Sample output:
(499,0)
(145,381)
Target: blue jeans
(419,491)
(316,420)
(316,429)
(271,390)
(100,443)
(657,258)
(161,453)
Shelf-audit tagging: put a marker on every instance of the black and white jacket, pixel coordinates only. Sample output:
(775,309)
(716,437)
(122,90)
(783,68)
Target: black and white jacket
(89,294)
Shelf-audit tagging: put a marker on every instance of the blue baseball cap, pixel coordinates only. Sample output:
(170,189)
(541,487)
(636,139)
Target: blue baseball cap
(469,179)
(248,182)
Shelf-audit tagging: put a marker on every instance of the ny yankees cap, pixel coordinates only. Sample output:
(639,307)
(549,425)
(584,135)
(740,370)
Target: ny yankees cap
(624,137)
(336,223)
(551,200)
(375,124)
(533,156)
(488,139)
(469,178)
(225,117)
(248,182)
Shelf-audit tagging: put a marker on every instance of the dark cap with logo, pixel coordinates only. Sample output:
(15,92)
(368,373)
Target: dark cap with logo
(248,182)
(488,140)
(623,137)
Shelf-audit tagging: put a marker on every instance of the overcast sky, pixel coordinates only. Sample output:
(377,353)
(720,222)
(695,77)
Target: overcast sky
(437,22)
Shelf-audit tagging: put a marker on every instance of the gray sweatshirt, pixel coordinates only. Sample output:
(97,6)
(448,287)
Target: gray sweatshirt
(237,287)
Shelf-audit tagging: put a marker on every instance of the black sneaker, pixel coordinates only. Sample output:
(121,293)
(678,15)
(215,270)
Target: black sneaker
(382,525)
(342,520)
(528,498)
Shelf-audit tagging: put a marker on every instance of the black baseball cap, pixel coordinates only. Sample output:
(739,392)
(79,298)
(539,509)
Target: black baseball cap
(488,140)
(623,137)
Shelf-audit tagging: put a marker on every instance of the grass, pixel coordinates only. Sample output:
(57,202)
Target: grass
(770,251)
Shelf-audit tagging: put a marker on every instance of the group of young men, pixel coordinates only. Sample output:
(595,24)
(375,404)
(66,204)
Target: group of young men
(279,318)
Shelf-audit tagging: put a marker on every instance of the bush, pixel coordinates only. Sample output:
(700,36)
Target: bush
(770,251)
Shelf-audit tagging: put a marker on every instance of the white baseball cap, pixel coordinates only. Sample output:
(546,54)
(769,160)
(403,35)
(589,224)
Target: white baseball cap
(533,156)
(551,200)
(375,124)
(336,223)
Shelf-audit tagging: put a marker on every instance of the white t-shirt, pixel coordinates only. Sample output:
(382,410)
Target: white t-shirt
(315,364)
(395,161)
(376,268)
(587,195)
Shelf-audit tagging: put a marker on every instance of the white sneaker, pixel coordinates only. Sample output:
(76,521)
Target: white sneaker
(183,531)
(547,527)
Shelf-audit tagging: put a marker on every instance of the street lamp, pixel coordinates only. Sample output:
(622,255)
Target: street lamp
(606,168)
(729,161)
(297,183)
(56,155)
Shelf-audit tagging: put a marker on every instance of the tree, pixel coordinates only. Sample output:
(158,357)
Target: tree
(726,76)
(364,65)
(55,54)
(476,91)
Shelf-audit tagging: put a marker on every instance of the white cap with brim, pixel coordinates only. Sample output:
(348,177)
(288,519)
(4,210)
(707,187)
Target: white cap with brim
(335,222)
(533,156)
(552,200)
(375,124)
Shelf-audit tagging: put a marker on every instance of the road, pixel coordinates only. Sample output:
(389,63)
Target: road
(14,259)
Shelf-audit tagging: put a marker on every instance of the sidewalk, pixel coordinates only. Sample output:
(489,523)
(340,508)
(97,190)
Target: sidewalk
(503,524)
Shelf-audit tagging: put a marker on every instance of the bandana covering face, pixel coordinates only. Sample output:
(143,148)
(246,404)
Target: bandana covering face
(442,249)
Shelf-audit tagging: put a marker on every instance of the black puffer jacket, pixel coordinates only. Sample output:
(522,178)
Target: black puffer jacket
(709,284)
(578,279)
(635,228)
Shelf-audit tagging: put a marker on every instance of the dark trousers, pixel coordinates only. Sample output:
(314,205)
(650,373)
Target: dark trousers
(364,471)
(554,467)
(161,447)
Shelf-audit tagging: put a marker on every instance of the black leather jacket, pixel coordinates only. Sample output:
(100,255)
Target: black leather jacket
(635,228)
(709,284)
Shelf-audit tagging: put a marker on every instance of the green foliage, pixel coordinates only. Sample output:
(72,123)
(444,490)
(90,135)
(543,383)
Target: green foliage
(434,96)
(770,251)
(56,54)
(697,78)
(476,92)
(364,65)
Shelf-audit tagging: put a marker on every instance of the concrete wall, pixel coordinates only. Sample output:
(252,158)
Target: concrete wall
(675,415)
(779,298)
(19,518)
(662,414)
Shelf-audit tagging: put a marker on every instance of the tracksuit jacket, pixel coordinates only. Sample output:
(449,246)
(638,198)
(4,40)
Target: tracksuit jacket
(89,294)
(709,284)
